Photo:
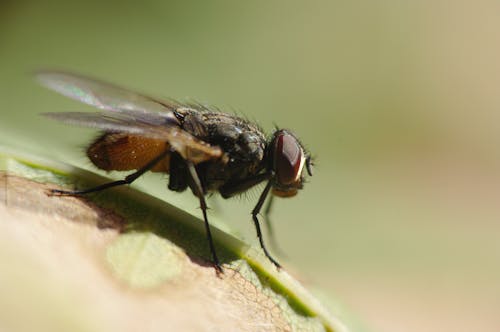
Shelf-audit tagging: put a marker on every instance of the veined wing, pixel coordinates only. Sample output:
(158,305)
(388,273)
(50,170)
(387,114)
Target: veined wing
(105,96)
(188,146)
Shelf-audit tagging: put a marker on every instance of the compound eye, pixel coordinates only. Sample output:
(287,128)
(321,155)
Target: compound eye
(288,159)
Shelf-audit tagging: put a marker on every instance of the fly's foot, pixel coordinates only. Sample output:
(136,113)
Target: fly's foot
(57,192)
(218,270)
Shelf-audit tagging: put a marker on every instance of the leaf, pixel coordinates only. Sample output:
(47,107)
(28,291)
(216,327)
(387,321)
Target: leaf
(124,260)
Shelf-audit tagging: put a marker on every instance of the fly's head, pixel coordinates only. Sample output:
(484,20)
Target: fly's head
(288,160)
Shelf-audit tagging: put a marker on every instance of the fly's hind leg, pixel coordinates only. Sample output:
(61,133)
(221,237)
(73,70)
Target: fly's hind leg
(128,180)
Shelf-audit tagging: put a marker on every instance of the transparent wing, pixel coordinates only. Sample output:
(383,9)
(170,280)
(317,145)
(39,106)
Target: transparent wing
(125,111)
(188,146)
(100,94)
(101,120)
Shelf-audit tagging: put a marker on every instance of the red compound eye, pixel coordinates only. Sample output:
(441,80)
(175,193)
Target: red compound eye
(288,158)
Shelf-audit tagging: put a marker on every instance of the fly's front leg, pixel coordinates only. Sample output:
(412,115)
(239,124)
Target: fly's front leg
(270,228)
(255,212)
(128,180)
(232,189)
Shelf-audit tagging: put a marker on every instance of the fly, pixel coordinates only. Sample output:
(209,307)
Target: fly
(201,149)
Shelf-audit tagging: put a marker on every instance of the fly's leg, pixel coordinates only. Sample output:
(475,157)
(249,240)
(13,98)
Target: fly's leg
(255,212)
(236,188)
(128,180)
(270,228)
(197,189)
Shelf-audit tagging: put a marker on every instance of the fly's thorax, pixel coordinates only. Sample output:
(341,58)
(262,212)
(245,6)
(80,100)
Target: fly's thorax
(244,145)
(193,122)
(242,142)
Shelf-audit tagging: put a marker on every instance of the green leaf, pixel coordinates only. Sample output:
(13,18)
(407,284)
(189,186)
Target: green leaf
(132,261)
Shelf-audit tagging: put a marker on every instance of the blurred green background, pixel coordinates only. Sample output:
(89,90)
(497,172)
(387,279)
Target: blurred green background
(398,100)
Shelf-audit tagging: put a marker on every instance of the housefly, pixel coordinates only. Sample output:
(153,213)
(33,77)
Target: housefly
(202,149)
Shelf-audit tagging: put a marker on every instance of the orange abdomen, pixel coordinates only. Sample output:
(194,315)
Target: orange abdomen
(124,152)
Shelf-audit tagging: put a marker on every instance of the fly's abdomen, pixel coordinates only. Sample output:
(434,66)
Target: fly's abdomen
(123,152)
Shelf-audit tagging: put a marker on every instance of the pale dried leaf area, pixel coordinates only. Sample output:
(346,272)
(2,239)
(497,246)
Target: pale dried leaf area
(68,265)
